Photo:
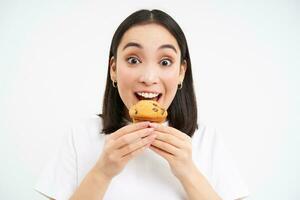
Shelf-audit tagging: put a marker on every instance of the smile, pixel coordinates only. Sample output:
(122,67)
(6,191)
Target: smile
(148,96)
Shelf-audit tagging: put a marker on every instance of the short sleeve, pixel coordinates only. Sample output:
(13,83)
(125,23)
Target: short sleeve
(225,174)
(58,179)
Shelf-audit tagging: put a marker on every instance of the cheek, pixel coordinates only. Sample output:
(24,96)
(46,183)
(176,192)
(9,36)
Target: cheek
(124,75)
(171,80)
(125,82)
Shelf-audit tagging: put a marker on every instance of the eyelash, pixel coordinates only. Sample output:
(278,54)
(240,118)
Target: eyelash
(132,57)
(166,59)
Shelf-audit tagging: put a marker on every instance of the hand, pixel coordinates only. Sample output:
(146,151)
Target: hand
(121,146)
(176,147)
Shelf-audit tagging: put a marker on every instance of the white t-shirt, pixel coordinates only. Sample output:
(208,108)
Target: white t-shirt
(147,176)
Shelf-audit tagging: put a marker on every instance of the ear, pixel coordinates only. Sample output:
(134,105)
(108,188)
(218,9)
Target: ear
(113,69)
(183,67)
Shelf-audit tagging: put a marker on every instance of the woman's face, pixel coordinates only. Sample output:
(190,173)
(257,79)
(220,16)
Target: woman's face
(147,65)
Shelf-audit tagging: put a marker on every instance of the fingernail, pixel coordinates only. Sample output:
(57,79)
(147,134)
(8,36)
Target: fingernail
(146,123)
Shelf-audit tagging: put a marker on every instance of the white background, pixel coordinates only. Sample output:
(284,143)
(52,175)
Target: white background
(245,59)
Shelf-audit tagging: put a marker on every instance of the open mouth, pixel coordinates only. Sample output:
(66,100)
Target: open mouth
(148,96)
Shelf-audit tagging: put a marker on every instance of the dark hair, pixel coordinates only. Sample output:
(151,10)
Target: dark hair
(182,113)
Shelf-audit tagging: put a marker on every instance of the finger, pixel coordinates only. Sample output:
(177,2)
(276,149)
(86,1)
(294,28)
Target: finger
(170,130)
(163,153)
(170,139)
(166,147)
(131,137)
(137,145)
(128,129)
(133,154)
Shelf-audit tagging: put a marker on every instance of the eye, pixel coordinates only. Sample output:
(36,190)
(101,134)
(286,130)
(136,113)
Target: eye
(133,60)
(166,62)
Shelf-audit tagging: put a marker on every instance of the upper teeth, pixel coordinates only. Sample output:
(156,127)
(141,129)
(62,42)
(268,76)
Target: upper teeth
(148,95)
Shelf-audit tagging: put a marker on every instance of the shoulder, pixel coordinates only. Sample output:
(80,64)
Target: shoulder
(207,146)
(205,135)
(89,123)
(209,140)
(87,129)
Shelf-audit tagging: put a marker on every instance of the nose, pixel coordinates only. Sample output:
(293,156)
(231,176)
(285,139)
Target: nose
(149,75)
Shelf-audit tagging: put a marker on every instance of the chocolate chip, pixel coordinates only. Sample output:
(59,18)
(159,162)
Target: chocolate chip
(154,104)
(136,112)
(155,109)
(163,111)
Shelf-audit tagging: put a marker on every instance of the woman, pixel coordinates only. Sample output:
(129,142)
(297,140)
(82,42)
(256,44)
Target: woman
(149,59)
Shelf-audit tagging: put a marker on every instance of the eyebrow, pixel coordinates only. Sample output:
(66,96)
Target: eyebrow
(134,44)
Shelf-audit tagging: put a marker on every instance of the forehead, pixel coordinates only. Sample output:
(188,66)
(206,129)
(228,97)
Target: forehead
(149,35)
